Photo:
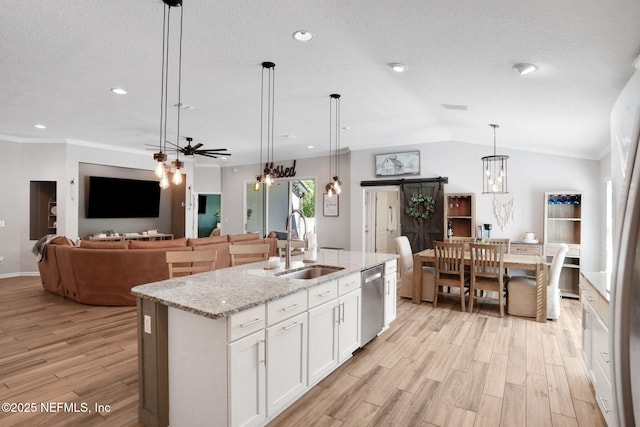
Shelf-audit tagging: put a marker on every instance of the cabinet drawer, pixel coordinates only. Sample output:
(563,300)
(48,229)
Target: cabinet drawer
(286,307)
(604,393)
(323,293)
(246,322)
(526,249)
(390,267)
(348,283)
(600,342)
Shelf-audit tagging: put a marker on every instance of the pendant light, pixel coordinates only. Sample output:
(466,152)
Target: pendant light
(162,169)
(267,102)
(334,185)
(494,170)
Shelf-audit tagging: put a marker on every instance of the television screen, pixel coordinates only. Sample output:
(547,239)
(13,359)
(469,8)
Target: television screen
(123,198)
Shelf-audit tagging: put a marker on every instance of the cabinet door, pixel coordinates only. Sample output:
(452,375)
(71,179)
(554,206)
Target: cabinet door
(390,299)
(247,380)
(586,336)
(323,340)
(349,324)
(286,362)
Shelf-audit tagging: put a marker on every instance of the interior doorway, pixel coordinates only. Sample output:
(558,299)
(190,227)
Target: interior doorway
(209,213)
(382,214)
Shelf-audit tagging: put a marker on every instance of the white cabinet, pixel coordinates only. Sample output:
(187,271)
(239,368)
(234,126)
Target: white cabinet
(390,292)
(247,388)
(334,333)
(323,340)
(349,324)
(595,345)
(286,362)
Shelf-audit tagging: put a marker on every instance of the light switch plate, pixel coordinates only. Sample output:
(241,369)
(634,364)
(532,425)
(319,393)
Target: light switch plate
(147,324)
(1,222)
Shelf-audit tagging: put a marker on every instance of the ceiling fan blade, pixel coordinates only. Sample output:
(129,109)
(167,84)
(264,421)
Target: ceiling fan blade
(208,155)
(198,145)
(213,150)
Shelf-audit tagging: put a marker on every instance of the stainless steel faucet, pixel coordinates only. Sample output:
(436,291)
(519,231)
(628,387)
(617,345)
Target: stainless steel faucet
(288,248)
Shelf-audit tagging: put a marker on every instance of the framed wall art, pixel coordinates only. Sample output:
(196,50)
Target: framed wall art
(398,164)
(330,205)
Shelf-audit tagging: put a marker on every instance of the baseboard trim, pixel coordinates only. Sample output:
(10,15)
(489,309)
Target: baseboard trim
(20,274)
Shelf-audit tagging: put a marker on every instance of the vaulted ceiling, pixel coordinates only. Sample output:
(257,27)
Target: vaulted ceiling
(60,60)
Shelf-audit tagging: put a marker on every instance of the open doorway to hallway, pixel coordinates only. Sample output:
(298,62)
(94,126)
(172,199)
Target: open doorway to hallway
(382,219)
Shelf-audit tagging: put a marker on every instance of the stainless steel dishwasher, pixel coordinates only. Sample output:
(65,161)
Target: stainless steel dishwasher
(372,303)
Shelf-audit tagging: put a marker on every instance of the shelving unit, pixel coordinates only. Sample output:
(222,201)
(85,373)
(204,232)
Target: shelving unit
(460,209)
(52,214)
(563,224)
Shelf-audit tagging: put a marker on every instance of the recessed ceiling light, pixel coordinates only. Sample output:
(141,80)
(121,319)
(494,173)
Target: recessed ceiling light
(311,147)
(39,126)
(302,36)
(397,67)
(118,91)
(345,127)
(524,68)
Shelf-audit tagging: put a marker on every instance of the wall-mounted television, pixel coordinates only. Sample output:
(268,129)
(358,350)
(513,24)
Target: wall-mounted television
(123,198)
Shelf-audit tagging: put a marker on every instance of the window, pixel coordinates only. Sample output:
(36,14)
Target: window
(280,199)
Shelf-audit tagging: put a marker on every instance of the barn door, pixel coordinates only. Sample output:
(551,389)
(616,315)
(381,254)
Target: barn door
(423,234)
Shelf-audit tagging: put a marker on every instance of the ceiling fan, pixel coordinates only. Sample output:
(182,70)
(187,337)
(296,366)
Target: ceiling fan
(192,150)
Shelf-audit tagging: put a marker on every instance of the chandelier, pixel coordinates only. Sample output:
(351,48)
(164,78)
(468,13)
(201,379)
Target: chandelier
(494,170)
(267,97)
(162,169)
(334,185)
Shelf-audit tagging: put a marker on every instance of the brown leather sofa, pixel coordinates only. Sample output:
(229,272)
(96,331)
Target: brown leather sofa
(103,273)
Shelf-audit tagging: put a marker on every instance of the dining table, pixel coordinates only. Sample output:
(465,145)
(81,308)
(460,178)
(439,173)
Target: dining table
(528,263)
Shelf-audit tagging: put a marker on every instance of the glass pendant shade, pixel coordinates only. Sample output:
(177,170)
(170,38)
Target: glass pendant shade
(494,170)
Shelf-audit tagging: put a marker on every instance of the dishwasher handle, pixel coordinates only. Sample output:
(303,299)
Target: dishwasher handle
(372,278)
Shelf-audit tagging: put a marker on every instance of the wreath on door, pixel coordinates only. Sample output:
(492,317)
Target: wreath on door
(420,207)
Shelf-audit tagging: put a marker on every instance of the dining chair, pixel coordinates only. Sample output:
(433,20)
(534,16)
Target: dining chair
(463,240)
(245,254)
(449,266)
(522,292)
(189,262)
(487,273)
(403,248)
(499,241)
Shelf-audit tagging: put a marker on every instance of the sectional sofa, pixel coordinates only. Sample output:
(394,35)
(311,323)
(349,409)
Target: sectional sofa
(103,273)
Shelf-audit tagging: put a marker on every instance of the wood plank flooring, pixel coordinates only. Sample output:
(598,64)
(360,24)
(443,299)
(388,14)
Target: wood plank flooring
(431,368)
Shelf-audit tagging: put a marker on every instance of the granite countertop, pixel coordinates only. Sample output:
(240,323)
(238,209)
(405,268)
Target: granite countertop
(223,292)
(599,280)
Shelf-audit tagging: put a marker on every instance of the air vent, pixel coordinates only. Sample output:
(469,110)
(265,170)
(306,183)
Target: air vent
(455,107)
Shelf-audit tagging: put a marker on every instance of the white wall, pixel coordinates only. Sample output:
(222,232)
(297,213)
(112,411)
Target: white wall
(530,175)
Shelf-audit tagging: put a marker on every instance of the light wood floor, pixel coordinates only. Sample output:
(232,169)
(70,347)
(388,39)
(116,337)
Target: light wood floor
(433,367)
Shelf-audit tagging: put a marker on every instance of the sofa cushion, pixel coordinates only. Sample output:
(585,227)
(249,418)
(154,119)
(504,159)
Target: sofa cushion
(223,259)
(117,244)
(243,237)
(143,244)
(207,240)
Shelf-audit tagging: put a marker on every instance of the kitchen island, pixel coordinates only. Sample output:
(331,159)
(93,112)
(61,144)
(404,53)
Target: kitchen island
(237,346)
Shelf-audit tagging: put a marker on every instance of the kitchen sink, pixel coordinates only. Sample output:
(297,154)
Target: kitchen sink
(309,272)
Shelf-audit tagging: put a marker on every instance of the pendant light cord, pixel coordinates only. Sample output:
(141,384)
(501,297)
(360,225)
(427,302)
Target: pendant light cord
(162,81)
(179,86)
(166,73)
(272,105)
(261,119)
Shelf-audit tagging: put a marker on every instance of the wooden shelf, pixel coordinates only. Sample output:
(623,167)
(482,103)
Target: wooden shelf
(460,210)
(563,224)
